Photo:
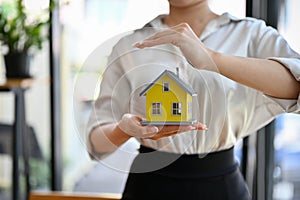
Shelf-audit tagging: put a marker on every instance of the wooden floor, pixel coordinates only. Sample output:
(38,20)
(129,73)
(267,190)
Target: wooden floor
(73,196)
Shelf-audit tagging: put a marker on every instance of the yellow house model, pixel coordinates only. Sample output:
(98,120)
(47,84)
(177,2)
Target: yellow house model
(168,100)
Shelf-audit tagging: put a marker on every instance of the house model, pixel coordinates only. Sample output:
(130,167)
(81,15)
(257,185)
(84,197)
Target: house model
(168,100)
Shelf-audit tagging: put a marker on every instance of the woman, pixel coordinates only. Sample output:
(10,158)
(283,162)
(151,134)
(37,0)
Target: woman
(244,73)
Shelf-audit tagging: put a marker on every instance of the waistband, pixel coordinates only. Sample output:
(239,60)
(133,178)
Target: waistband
(184,165)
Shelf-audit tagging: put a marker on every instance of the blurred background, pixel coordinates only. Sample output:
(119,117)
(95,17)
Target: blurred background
(83,26)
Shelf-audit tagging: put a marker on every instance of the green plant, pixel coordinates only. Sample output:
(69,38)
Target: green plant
(20,31)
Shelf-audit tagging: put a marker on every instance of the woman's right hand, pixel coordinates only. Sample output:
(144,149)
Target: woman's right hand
(130,124)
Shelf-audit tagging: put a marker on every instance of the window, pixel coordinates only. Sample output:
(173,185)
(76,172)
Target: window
(156,108)
(286,174)
(166,86)
(176,108)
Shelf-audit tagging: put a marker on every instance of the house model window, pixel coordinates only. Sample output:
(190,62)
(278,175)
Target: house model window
(166,86)
(156,108)
(176,108)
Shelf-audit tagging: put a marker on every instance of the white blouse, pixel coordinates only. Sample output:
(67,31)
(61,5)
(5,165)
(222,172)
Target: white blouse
(230,110)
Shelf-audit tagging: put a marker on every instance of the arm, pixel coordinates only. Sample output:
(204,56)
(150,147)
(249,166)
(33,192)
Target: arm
(268,76)
(265,75)
(107,138)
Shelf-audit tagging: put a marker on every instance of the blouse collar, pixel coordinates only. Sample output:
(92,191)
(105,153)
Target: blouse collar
(210,28)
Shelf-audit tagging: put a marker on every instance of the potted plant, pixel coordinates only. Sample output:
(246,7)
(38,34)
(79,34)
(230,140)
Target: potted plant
(20,35)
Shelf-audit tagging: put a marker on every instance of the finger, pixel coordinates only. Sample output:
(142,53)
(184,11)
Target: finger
(200,126)
(159,136)
(180,29)
(153,41)
(148,131)
(162,134)
(185,128)
(136,118)
(131,125)
(162,33)
(127,117)
(167,39)
(170,130)
(178,128)
(176,31)
(167,134)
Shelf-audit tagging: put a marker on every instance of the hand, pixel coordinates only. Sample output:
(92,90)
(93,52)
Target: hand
(169,130)
(190,45)
(130,124)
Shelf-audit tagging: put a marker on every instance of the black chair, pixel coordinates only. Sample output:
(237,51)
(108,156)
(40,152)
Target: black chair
(6,132)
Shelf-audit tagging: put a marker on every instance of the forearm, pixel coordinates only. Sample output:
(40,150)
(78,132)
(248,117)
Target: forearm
(268,76)
(107,138)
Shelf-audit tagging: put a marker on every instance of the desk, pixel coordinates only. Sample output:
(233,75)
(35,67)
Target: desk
(20,146)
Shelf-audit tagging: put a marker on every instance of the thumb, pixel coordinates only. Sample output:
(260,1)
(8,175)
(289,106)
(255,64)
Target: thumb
(149,131)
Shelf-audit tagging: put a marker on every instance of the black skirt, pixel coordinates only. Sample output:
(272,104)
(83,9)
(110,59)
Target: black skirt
(160,175)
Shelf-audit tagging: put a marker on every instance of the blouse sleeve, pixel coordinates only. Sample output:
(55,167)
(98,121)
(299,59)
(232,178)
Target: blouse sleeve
(113,98)
(269,44)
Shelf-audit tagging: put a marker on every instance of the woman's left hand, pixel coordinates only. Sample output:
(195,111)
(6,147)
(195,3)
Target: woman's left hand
(187,41)
(170,130)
